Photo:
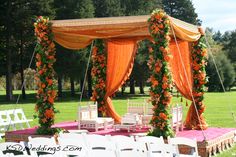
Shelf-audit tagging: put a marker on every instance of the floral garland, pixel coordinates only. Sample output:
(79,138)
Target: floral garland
(199,58)
(160,78)
(45,57)
(98,72)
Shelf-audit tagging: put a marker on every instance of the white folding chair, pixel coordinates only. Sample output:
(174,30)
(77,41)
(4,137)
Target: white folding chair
(6,121)
(72,145)
(93,109)
(127,147)
(100,146)
(48,147)
(151,139)
(20,118)
(177,118)
(187,142)
(11,149)
(86,122)
(155,145)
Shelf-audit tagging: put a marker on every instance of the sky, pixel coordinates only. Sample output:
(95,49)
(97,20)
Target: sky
(217,14)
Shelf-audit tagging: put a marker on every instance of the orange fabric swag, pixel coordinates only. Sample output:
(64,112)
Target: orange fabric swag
(120,62)
(183,80)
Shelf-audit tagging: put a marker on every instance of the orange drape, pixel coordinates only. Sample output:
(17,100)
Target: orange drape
(181,77)
(120,62)
(178,71)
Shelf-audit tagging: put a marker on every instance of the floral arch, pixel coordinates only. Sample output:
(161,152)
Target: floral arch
(176,55)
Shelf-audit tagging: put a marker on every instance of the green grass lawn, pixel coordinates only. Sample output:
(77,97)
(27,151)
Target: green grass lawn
(217,114)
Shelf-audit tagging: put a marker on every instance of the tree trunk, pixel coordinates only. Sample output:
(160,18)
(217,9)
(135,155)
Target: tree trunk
(22,69)
(122,90)
(59,81)
(141,88)
(132,86)
(72,87)
(9,95)
(81,84)
(90,89)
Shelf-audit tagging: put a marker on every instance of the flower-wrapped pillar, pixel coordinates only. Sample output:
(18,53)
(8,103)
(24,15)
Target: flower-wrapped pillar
(196,120)
(45,57)
(99,61)
(160,79)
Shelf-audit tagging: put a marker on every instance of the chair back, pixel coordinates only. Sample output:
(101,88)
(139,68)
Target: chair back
(174,112)
(12,149)
(129,118)
(83,113)
(136,107)
(93,109)
(180,112)
(185,141)
(43,145)
(126,146)
(72,145)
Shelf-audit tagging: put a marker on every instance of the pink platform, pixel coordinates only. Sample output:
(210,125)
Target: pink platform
(216,139)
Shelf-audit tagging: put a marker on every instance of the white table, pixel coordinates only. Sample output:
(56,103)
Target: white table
(125,126)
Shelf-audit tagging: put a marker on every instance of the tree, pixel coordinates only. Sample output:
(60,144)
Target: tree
(140,73)
(139,7)
(107,8)
(217,37)
(224,66)
(17,27)
(71,63)
(181,9)
(230,45)
(226,72)
(141,70)
(73,9)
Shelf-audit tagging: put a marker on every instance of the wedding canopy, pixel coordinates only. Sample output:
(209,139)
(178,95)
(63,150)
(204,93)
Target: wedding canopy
(76,34)
(120,36)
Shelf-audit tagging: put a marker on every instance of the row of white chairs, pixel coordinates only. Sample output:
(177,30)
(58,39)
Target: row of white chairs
(12,118)
(91,145)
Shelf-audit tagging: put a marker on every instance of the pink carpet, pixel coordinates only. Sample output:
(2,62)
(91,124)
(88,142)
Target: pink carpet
(210,133)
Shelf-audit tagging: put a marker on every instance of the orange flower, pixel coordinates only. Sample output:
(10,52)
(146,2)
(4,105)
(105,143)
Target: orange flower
(41,72)
(196,67)
(54,93)
(165,78)
(50,82)
(167,58)
(150,49)
(95,49)
(50,57)
(157,69)
(155,83)
(204,53)
(49,113)
(43,85)
(163,116)
(157,16)
(44,120)
(51,100)
(161,26)
(166,94)
(164,85)
(38,56)
(36,108)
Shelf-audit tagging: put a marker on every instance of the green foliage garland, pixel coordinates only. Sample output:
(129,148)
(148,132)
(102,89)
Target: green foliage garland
(199,58)
(99,59)
(45,52)
(160,78)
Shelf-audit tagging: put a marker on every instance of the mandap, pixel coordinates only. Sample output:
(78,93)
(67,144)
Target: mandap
(177,56)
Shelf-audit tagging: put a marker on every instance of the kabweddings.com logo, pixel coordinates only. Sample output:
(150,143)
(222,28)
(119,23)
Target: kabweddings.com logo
(43,148)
